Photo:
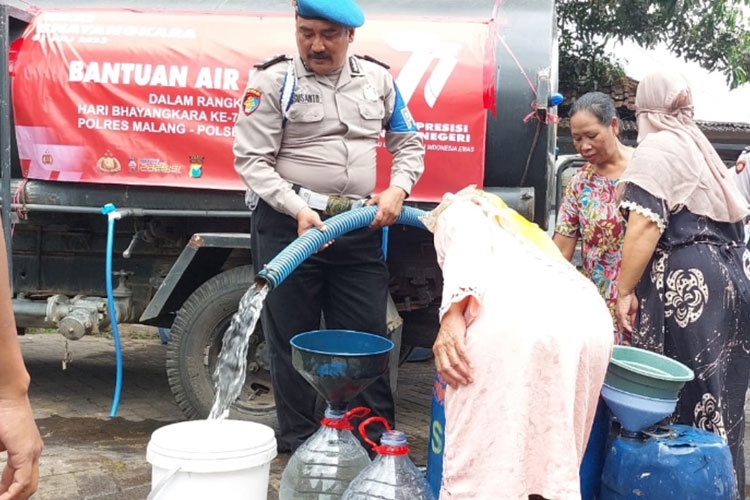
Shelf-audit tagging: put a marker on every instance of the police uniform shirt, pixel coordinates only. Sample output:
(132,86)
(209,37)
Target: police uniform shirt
(326,140)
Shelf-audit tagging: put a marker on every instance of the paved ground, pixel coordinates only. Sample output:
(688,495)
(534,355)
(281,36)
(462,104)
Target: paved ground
(89,456)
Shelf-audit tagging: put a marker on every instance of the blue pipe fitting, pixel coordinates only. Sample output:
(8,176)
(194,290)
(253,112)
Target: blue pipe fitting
(112,215)
(555,99)
(303,247)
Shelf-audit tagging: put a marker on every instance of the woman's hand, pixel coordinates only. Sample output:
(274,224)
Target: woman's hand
(451,360)
(627,307)
(19,436)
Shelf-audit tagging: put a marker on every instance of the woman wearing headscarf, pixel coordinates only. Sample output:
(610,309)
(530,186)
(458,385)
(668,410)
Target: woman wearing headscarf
(523,384)
(684,288)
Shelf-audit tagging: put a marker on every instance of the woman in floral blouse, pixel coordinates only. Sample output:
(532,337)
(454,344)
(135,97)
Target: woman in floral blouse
(588,210)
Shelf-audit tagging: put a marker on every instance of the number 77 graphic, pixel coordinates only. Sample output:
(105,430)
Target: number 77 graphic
(424,50)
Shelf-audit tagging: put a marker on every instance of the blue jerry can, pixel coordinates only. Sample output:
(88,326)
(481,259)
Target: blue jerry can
(676,462)
(596,450)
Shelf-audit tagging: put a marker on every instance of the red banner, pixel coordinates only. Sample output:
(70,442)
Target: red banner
(151,97)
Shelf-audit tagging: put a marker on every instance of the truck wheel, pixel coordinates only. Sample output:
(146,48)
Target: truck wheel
(196,339)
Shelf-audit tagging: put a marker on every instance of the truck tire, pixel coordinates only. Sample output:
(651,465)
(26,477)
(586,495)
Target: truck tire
(196,337)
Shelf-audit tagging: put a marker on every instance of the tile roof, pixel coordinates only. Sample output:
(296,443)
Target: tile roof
(706,126)
(623,94)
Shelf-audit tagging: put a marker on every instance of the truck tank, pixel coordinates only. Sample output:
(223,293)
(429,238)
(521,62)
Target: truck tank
(519,66)
(480,75)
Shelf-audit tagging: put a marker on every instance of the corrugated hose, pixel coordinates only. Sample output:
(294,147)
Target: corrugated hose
(300,249)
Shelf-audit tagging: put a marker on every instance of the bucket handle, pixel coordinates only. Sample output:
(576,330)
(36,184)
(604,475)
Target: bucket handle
(161,484)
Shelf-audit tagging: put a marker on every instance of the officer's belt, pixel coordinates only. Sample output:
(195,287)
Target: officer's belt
(328,204)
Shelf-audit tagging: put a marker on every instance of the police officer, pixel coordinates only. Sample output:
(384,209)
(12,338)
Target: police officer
(305,145)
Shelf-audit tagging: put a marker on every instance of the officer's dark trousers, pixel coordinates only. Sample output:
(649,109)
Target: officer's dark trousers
(348,282)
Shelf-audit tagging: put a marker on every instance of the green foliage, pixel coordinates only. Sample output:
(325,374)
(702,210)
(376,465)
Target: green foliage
(714,33)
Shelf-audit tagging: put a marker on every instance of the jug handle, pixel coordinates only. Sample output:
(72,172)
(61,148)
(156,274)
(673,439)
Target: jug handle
(363,431)
(358,412)
(345,421)
(381,449)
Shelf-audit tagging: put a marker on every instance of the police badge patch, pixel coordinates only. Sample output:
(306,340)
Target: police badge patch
(370,93)
(251,101)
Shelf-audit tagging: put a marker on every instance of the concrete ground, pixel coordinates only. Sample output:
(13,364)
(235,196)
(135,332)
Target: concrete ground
(89,456)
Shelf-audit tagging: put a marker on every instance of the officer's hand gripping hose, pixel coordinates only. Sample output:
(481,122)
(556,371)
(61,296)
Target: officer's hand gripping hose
(300,249)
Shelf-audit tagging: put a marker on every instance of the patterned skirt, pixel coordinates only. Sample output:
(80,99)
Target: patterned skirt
(694,306)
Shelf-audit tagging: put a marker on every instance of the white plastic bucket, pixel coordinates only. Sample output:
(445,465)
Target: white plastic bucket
(226,459)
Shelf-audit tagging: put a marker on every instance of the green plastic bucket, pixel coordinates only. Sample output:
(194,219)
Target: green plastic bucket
(646,373)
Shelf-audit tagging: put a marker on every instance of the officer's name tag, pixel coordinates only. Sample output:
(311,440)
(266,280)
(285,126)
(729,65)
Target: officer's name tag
(306,99)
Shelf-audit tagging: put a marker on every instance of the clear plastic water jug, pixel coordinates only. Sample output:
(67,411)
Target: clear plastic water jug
(392,475)
(325,464)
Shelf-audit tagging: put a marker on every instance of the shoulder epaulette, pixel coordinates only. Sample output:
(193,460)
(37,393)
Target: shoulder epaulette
(271,61)
(373,60)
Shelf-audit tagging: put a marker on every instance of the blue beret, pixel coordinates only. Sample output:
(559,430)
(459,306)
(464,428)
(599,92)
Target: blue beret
(343,12)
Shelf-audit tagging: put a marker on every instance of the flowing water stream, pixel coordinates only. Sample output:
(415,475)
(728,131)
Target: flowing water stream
(229,375)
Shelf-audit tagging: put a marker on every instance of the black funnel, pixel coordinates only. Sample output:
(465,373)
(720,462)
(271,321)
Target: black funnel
(339,364)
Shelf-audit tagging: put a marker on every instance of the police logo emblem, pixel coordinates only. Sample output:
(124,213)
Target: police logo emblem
(47,159)
(251,101)
(108,164)
(196,165)
(741,166)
